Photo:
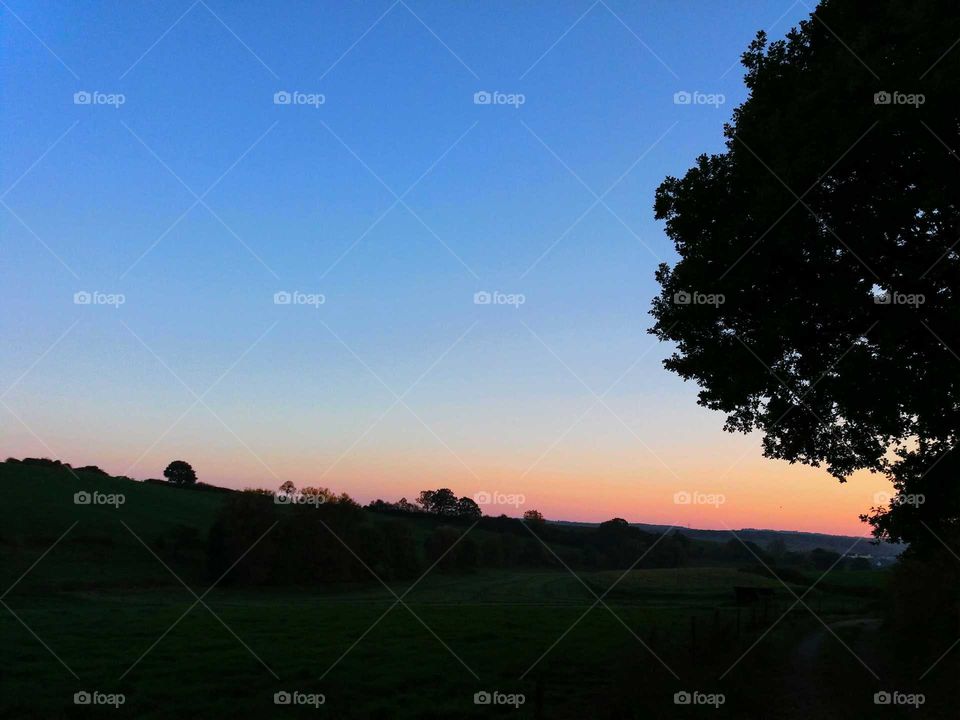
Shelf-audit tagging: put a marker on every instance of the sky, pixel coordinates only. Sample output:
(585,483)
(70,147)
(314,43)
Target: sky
(374,246)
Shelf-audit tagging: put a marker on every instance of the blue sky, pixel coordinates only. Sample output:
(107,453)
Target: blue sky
(198,198)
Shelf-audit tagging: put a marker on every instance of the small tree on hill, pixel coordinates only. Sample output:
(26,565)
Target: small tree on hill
(533,516)
(180,472)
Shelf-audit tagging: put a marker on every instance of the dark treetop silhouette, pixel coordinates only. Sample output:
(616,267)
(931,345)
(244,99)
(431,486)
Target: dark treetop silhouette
(816,294)
(180,472)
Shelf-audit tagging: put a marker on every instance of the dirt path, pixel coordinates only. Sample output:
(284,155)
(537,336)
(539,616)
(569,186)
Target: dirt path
(810,680)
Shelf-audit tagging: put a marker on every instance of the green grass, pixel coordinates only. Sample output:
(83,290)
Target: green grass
(43,499)
(498,625)
(98,550)
(99,601)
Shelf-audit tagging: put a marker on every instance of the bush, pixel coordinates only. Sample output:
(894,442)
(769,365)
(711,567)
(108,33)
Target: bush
(306,544)
(92,470)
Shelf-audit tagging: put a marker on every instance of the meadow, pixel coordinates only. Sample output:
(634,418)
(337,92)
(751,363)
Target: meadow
(113,607)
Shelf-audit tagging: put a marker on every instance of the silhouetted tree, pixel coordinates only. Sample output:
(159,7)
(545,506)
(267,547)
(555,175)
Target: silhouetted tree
(180,472)
(815,297)
(676,548)
(425,500)
(441,502)
(492,551)
(619,544)
(747,551)
(468,554)
(614,525)
(323,495)
(405,505)
(441,547)
(242,520)
(400,549)
(92,470)
(925,512)
(533,516)
(287,488)
(467,508)
(43,462)
(777,549)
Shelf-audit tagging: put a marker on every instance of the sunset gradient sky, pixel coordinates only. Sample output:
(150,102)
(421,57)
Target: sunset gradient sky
(399,381)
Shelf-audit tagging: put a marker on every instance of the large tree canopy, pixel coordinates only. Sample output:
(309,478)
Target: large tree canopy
(817,292)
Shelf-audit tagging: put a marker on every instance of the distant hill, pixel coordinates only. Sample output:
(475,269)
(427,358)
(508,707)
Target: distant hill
(109,527)
(795,541)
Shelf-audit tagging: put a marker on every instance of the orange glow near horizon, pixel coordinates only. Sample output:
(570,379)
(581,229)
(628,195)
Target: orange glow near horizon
(684,491)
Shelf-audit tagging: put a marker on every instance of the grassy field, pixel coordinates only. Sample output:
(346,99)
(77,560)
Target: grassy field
(99,612)
(418,660)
